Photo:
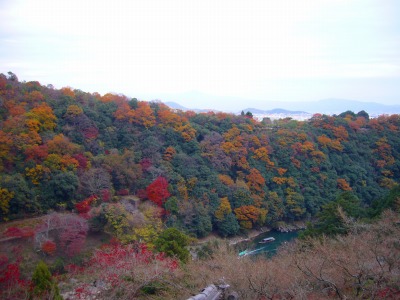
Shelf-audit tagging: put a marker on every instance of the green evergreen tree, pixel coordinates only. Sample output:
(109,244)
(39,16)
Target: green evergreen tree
(229,226)
(173,243)
(331,218)
(43,284)
(390,201)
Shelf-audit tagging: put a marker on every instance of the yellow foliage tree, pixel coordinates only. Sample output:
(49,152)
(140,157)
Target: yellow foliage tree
(279,180)
(223,210)
(44,115)
(226,179)
(36,173)
(182,189)
(295,202)
(73,111)
(263,155)
(5,198)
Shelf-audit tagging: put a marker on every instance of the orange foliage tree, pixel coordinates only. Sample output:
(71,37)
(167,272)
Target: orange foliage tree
(343,184)
(247,215)
(256,182)
(332,144)
(384,151)
(281,171)
(124,112)
(226,179)
(178,123)
(169,153)
(234,147)
(144,115)
(67,91)
(60,144)
(262,154)
(340,133)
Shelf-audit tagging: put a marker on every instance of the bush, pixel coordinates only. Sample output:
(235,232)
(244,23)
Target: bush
(49,247)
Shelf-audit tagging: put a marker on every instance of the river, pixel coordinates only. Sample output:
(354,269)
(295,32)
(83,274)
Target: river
(253,247)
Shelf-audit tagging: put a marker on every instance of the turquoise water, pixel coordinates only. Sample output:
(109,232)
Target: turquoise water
(254,248)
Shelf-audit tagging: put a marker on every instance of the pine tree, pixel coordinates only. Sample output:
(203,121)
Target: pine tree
(43,284)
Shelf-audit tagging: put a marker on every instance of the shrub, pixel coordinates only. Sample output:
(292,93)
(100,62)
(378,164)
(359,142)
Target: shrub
(49,247)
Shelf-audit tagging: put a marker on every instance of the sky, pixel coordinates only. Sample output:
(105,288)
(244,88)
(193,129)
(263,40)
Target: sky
(242,53)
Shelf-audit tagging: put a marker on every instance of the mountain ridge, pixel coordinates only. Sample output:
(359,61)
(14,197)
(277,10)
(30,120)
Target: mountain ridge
(274,111)
(325,106)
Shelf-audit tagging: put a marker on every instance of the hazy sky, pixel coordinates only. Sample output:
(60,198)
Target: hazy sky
(266,50)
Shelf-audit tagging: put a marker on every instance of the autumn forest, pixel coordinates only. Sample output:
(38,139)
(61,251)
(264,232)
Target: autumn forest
(130,169)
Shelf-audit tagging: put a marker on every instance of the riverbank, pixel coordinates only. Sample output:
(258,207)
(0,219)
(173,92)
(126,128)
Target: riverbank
(243,237)
(249,235)
(284,227)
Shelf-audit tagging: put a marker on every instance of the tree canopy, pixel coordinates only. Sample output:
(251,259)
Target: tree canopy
(205,171)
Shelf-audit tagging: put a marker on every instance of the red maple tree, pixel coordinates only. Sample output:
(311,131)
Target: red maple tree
(157,191)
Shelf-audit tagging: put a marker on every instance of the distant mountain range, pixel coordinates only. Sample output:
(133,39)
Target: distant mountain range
(325,106)
(337,106)
(274,111)
(175,105)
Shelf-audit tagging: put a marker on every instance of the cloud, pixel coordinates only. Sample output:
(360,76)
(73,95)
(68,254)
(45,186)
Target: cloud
(218,47)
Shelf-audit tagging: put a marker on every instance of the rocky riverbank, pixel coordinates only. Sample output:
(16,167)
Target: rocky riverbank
(284,227)
(252,234)
(248,236)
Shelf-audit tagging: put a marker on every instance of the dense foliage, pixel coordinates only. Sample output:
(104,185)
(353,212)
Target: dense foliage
(68,149)
(75,165)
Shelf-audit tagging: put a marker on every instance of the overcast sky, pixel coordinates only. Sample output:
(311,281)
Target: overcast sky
(266,50)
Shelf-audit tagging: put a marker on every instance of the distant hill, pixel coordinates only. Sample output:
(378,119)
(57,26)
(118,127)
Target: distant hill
(273,111)
(175,105)
(337,106)
(329,106)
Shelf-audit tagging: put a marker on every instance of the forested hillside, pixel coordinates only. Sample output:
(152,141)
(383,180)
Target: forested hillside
(68,149)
